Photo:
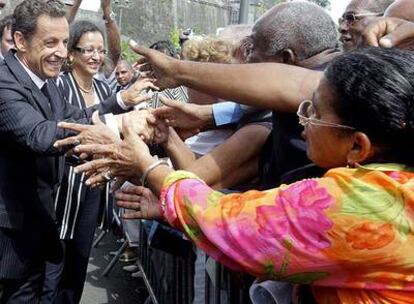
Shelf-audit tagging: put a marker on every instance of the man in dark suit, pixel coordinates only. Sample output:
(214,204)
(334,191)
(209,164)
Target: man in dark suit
(30,167)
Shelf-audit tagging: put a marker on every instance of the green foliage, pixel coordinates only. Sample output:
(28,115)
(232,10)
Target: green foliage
(127,53)
(175,37)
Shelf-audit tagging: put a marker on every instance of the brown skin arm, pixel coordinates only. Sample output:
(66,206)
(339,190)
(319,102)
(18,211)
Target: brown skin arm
(112,32)
(71,14)
(272,86)
(229,164)
(181,156)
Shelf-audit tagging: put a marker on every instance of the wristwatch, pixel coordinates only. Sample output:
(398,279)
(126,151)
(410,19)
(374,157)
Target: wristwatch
(110,18)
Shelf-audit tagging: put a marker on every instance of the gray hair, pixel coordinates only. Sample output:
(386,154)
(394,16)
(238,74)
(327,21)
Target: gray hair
(302,26)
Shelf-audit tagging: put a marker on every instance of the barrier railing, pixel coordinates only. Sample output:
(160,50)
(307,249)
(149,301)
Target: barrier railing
(170,278)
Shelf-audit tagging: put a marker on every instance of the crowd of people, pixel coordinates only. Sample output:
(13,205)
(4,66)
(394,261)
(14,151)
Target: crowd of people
(276,149)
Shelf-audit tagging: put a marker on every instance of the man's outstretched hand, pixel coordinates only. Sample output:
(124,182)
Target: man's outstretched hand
(156,65)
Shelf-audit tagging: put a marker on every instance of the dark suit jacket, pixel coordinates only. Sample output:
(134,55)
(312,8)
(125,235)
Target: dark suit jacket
(30,168)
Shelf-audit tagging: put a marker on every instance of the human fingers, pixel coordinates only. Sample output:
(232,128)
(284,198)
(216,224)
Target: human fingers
(72,126)
(93,166)
(172,103)
(69,141)
(139,49)
(96,180)
(94,149)
(129,205)
(127,197)
(397,33)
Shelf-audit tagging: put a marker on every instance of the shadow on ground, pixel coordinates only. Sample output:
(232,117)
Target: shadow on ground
(119,287)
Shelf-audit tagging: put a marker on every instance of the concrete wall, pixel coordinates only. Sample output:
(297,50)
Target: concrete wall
(152,20)
(149,21)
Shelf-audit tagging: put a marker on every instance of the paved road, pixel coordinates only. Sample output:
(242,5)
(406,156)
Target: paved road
(119,287)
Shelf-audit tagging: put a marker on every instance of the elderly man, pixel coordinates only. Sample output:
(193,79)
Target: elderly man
(294,33)
(6,39)
(30,167)
(239,82)
(357,15)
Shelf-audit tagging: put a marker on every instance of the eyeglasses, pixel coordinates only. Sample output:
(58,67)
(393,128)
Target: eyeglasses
(90,51)
(350,18)
(306,113)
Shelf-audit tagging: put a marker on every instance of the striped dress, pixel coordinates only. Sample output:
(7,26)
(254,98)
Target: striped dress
(72,191)
(179,93)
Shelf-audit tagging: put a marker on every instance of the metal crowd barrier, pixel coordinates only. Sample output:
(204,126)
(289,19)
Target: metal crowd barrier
(170,279)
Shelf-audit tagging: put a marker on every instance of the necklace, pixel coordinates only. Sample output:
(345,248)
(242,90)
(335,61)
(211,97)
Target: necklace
(87,91)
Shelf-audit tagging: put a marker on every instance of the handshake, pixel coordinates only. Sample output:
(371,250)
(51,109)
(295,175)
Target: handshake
(105,154)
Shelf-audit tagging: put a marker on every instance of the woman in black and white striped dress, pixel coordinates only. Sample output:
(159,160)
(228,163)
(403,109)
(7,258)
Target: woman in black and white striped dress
(78,208)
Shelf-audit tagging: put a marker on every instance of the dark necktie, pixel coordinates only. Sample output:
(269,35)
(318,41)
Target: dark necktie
(45,92)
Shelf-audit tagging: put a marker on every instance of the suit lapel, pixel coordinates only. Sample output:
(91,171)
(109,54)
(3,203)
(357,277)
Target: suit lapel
(39,98)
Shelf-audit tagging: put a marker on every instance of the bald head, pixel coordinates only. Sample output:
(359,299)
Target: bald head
(302,27)
(403,9)
(368,6)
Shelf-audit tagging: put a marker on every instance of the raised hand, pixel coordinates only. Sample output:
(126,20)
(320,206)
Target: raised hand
(136,94)
(155,64)
(140,200)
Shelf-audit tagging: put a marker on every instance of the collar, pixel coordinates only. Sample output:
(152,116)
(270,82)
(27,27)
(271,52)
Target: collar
(36,79)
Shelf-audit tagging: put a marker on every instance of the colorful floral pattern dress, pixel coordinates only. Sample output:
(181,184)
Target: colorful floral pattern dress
(350,234)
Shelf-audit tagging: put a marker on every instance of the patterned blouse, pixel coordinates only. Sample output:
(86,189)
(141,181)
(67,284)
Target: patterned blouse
(350,234)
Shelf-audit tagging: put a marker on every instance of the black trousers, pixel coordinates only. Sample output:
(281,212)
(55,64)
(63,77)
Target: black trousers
(65,281)
(25,291)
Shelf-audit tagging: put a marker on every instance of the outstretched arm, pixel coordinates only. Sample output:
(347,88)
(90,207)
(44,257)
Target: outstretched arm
(272,86)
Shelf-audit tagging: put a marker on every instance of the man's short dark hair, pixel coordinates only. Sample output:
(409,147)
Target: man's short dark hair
(26,14)
(5,23)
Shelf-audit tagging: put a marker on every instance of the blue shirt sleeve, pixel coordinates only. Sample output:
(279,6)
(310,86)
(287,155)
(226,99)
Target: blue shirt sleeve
(225,113)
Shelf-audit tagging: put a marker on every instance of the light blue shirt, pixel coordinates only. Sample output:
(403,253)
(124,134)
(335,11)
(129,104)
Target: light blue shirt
(228,112)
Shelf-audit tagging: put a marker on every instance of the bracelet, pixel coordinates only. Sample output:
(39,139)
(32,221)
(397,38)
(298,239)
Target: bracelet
(150,169)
